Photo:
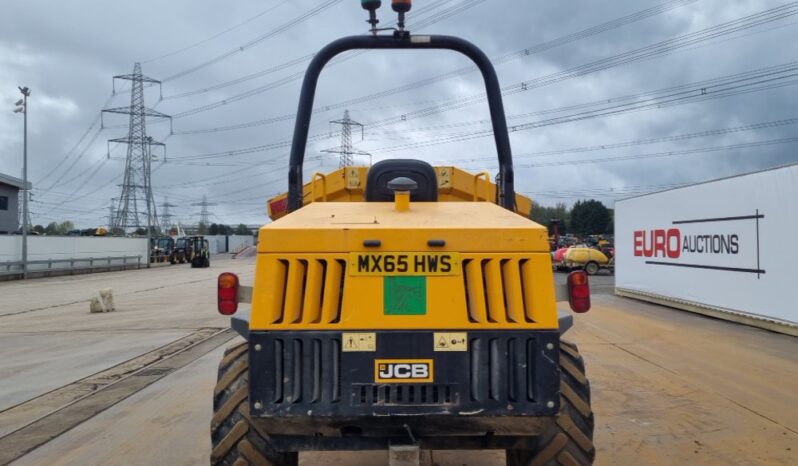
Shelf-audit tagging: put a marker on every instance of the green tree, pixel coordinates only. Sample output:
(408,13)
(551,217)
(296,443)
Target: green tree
(589,217)
(242,229)
(213,229)
(65,227)
(39,229)
(51,228)
(202,229)
(140,232)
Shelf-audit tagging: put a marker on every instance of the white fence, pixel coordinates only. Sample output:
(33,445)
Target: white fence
(232,243)
(724,248)
(58,248)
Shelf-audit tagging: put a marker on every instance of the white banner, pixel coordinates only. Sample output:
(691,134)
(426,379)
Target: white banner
(728,244)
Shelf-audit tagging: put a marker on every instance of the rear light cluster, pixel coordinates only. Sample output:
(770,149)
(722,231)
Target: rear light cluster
(227,293)
(578,291)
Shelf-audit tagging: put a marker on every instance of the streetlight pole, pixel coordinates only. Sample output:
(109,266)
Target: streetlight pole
(24,110)
(148,156)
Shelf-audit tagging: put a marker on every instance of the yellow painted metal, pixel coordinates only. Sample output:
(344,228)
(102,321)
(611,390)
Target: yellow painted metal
(402,201)
(513,292)
(268,300)
(344,226)
(323,179)
(495,291)
(486,177)
(332,291)
(362,304)
(306,277)
(348,185)
(292,311)
(311,306)
(539,295)
(477,309)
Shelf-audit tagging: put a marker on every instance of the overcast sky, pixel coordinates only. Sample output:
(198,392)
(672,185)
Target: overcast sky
(575,93)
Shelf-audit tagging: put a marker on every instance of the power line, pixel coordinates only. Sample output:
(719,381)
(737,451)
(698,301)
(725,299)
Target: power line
(218,34)
(750,82)
(659,48)
(285,80)
(534,49)
(674,138)
(685,93)
(284,65)
(268,35)
(77,144)
(702,150)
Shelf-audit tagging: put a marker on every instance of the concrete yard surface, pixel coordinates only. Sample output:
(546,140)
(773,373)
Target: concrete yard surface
(668,387)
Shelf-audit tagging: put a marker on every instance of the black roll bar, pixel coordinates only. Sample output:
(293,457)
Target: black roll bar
(401,41)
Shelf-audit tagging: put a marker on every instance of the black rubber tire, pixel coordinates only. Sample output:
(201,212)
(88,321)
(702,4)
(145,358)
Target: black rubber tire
(592,268)
(235,440)
(568,439)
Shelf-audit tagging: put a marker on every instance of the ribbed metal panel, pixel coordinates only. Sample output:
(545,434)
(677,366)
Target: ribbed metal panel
(502,369)
(305,371)
(306,291)
(403,394)
(497,290)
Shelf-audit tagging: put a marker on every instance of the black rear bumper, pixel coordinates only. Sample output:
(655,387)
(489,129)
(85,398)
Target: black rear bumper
(303,383)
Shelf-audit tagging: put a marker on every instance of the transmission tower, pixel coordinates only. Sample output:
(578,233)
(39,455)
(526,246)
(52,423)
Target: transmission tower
(166,216)
(136,205)
(205,215)
(20,210)
(111,215)
(346,150)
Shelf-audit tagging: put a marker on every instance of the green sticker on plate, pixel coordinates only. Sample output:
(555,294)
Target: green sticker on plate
(405,296)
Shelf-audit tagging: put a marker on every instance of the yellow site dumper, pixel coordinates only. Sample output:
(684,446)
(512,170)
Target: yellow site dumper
(391,311)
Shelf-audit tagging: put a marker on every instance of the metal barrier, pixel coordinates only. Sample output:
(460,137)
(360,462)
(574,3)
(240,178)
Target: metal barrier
(89,264)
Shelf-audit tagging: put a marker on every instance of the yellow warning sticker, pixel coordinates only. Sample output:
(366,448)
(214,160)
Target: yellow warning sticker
(358,341)
(450,341)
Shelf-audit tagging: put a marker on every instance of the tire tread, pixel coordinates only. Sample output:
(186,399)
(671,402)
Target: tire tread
(235,439)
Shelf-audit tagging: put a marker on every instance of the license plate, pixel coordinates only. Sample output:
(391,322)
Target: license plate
(404,263)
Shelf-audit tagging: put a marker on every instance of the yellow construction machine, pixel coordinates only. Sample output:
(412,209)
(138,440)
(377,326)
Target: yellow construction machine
(402,307)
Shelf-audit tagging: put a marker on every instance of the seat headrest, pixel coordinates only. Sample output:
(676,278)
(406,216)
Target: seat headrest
(386,170)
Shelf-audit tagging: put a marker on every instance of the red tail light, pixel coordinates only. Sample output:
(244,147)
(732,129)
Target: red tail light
(227,293)
(578,291)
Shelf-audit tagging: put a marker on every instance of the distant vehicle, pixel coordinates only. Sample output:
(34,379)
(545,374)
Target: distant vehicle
(88,232)
(163,249)
(200,251)
(559,255)
(589,259)
(182,250)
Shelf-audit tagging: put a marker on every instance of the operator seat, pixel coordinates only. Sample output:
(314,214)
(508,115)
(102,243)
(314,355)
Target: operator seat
(417,170)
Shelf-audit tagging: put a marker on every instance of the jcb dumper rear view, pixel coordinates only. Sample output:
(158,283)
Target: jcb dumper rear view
(396,317)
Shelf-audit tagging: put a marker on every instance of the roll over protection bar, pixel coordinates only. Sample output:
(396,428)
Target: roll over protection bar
(401,41)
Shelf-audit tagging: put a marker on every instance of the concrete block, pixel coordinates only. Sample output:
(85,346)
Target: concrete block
(404,455)
(103,302)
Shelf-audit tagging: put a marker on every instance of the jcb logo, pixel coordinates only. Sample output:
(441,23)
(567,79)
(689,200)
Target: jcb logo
(403,370)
